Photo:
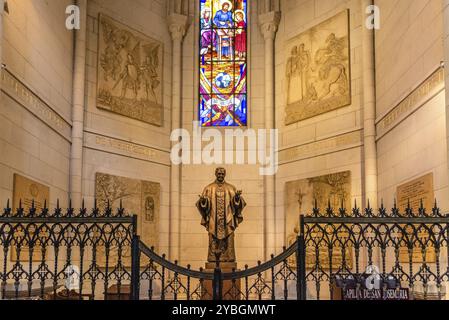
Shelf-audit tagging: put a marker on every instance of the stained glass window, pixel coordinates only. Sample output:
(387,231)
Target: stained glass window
(223,65)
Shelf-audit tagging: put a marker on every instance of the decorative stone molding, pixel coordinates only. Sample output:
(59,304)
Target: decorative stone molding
(27,98)
(104,143)
(338,143)
(424,92)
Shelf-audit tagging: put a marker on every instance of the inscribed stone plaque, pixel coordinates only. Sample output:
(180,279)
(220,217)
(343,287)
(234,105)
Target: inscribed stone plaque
(129,72)
(25,191)
(415,191)
(318,70)
(299,199)
(138,197)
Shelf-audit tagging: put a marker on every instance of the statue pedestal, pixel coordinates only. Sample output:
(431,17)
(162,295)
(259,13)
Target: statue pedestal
(230,290)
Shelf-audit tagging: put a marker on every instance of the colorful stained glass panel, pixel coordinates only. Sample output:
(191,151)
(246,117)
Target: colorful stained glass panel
(240,77)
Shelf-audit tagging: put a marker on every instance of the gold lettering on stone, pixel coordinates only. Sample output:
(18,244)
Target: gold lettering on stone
(125,146)
(23,95)
(415,191)
(320,147)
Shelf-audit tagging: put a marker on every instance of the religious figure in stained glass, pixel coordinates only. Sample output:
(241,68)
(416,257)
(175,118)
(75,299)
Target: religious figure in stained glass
(240,34)
(223,65)
(208,36)
(223,18)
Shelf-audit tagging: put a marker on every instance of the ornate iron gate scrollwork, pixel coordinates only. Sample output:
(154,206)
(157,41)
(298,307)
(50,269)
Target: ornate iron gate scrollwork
(333,250)
(175,282)
(40,248)
(398,251)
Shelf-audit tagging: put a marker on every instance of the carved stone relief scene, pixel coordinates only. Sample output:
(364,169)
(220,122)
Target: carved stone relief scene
(317,74)
(141,198)
(300,197)
(129,72)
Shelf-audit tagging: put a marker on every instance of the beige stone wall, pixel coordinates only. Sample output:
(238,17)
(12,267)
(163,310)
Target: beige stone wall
(330,142)
(409,48)
(414,148)
(249,241)
(116,144)
(37,49)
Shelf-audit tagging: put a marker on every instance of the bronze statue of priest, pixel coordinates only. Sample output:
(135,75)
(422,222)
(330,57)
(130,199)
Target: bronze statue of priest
(221,206)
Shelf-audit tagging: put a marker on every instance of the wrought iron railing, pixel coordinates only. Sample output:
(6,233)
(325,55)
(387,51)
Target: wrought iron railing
(390,249)
(258,283)
(335,251)
(42,250)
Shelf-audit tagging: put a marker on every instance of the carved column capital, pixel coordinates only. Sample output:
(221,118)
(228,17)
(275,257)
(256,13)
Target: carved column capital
(269,23)
(3,6)
(177,25)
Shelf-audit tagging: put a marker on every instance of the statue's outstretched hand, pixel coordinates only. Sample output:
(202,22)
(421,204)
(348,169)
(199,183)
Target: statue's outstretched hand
(238,194)
(203,199)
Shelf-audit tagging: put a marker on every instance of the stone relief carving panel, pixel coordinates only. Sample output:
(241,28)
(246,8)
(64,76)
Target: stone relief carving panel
(300,197)
(317,71)
(138,197)
(129,72)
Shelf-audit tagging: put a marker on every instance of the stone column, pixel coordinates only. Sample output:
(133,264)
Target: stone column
(2,12)
(78,100)
(177,24)
(369,111)
(446,65)
(269,22)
